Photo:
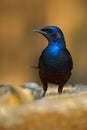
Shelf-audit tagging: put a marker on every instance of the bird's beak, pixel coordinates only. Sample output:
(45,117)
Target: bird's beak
(39,31)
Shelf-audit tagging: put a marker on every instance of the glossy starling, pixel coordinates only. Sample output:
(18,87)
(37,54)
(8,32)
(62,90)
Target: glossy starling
(55,63)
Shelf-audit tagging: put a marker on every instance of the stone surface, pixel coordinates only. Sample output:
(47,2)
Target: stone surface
(53,112)
(34,88)
(15,95)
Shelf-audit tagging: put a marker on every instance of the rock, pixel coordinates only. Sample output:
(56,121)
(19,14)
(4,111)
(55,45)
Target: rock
(53,112)
(36,90)
(14,95)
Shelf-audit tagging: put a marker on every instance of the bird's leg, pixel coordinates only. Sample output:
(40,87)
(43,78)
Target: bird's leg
(60,88)
(45,86)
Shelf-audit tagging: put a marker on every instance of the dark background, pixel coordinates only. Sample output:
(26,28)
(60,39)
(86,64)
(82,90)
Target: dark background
(20,47)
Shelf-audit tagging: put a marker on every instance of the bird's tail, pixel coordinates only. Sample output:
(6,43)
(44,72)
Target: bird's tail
(35,67)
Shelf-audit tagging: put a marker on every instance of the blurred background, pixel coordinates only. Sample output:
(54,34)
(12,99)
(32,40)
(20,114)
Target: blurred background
(20,47)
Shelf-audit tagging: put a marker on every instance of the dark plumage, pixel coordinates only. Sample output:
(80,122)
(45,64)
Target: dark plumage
(55,62)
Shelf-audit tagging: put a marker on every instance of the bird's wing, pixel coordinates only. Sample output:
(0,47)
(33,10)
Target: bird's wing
(40,59)
(70,59)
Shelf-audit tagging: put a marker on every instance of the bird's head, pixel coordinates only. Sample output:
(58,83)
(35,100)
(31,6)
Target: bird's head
(52,33)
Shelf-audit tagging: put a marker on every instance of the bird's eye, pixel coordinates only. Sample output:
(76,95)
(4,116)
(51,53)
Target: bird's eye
(47,30)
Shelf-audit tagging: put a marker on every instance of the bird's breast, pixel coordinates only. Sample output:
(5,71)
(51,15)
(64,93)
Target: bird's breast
(50,57)
(55,59)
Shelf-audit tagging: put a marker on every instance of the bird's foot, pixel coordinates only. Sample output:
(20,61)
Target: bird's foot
(60,90)
(43,95)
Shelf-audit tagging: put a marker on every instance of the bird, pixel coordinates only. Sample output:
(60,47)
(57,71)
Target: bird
(55,62)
